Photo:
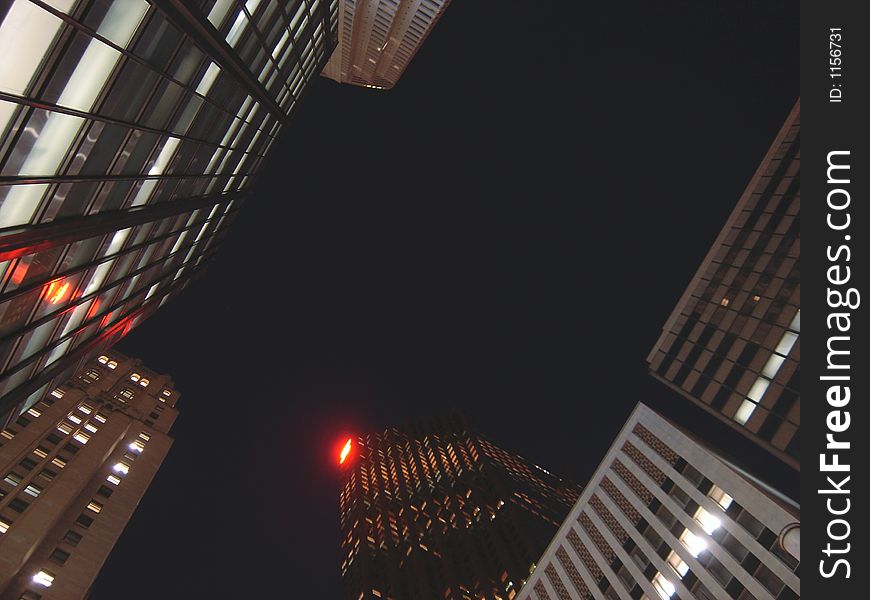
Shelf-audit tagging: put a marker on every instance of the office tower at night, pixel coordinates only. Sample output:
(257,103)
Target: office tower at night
(731,344)
(75,466)
(377,40)
(436,510)
(663,518)
(132,132)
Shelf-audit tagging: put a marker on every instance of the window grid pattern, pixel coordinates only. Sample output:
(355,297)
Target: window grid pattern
(723,345)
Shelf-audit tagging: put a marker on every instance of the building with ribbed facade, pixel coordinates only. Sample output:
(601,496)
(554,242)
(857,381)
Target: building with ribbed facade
(74,467)
(732,343)
(664,518)
(436,510)
(378,38)
(130,134)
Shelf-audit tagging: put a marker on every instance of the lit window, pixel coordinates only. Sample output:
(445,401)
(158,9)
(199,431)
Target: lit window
(58,393)
(721,498)
(12,479)
(126,393)
(708,522)
(144,436)
(66,428)
(100,418)
(81,437)
(33,490)
(724,302)
(74,419)
(745,411)
(144,382)
(7,434)
(86,409)
(33,412)
(756,298)
(113,479)
(112,364)
(664,587)
(167,393)
(95,506)
(137,446)
(91,427)
(134,377)
(121,468)
(4,526)
(678,564)
(695,544)
(43,578)
(103,359)
(58,462)
(40,452)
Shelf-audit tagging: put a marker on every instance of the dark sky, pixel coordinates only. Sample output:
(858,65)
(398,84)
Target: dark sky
(505,232)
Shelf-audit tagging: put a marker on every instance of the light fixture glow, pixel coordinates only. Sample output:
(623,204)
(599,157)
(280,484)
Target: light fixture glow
(345,451)
(56,291)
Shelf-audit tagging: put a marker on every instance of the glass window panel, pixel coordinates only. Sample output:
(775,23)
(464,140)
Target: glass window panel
(69,199)
(158,42)
(43,144)
(26,34)
(121,20)
(133,158)
(219,12)
(19,202)
(129,91)
(80,253)
(162,104)
(81,73)
(100,147)
(186,62)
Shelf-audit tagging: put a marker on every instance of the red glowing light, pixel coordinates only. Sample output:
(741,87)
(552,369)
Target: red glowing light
(56,291)
(345,451)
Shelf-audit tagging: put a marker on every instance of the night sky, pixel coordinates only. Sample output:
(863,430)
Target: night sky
(505,233)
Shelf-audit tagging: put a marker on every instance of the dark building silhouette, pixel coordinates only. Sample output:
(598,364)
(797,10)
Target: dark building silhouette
(732,343)
(436,510)
(130,134)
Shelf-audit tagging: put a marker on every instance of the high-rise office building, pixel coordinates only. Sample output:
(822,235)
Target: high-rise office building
(130,134)
(436,510)
(731,345)
(663,518)
(74,467)
(378,38)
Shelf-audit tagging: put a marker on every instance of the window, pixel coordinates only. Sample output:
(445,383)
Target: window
(92,374)
(126,393)
(33,412)
(4,526)
(43,578)
(53,438)
(154,415)
(59,556)
(104,491)
(18,505)
(57,461)
(664,587)
(94,506)
(122,468)
(167,393)
(48,474)
(144,436)
(103,360)
(7,434)
(113,479)
(13,478)
(82,437)
(75,419)
(100,418)
(33,489)
(85,408)
(28,595)
(84,521)
(91,427)
(72,538)
(58,393)
(721,498)
(134,377)
(65,428)
(112,364)
(137,446)
(144,382)
(40,451)
(27,463)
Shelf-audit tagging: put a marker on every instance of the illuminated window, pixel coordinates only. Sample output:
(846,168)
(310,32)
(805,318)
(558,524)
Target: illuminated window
(4,526)
(144,436)
(91,427)
(113,479)
(58,393)
(724,302)
(74,419)
(94,506)
(66,428)
(58,462)
(693,543)
(708,522)
(137,446)
(144,382)
(721,498)
(134,377)
(92,374)
(12,478)
(664,587)
(677,564)
(126,393)
(81,437)
(167,393)
(33,489)
(43,578)
(33,412)
(121,468)
(112,364)
(103,359)
(40,452)
(100,418)
(86,409)
(7,434)
(756,298)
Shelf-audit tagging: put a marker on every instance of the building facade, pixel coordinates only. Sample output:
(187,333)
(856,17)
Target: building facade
(665,518)
(75,466)
(378,38)
(130,134)
(435,510)
(732,343)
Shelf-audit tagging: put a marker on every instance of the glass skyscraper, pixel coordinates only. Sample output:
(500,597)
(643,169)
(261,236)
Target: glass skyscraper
(132,132)
(732,343)
(436,510)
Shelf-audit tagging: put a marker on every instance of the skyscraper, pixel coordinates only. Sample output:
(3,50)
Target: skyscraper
(436,510)
(132,132)
(731,345)
(378,39)
(664,517)
(75,466)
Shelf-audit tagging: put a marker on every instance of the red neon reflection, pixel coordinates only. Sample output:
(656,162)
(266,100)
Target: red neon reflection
(56,292)
(345,451)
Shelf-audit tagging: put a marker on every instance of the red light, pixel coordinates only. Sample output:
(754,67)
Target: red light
(56,291)
(345,451)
